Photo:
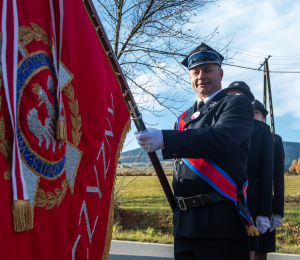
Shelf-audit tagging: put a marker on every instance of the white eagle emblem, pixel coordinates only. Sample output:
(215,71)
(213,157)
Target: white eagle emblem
(35,126)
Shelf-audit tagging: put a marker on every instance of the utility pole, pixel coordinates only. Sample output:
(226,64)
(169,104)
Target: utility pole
(267,91)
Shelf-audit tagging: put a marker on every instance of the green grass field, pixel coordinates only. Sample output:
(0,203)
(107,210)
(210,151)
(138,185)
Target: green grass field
(143,213)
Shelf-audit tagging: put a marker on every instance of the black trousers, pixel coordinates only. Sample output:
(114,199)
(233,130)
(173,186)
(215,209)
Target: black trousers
(211,248)
(267,243)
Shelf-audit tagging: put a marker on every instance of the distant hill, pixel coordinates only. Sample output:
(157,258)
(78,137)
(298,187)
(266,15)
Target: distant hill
(292,151)
(132,155)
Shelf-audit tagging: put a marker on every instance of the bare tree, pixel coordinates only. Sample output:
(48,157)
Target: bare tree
(150,38)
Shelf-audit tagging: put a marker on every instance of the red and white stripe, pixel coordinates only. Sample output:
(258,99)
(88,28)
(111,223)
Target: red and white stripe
(57,15)
(9,60)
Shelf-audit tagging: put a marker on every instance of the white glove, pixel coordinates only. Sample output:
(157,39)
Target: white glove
(276,221)
(262,224)
(150,140)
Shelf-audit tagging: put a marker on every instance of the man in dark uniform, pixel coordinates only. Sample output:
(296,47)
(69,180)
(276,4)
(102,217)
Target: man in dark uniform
(217,127)
(267,241)
(259,171)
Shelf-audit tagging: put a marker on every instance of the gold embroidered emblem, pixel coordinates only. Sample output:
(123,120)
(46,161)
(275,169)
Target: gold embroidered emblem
(41,128)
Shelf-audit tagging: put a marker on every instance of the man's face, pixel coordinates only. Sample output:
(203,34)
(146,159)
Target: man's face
(258,115)
(206,79)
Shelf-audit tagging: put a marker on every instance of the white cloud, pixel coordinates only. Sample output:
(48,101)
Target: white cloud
(266,27)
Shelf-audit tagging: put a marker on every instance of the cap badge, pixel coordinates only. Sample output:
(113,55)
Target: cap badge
(204,49)
(236,84)
(195,115)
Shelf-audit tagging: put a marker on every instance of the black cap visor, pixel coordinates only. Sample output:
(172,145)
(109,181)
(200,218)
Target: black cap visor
(246,92)
(263,111)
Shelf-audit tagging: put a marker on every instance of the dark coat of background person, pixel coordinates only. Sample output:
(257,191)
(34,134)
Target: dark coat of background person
(222,133)
(278,176)
(267,240)
(260,171)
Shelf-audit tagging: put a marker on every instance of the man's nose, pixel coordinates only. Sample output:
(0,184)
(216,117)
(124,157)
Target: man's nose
(201,75)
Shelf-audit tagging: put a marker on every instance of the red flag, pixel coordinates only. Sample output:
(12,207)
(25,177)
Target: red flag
(69,185)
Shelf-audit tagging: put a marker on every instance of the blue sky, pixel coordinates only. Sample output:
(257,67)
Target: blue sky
(259,28)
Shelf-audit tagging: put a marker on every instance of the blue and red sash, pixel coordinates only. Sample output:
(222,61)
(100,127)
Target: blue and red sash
(221,182)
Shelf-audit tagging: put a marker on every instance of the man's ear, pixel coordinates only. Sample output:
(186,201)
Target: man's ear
(221,73)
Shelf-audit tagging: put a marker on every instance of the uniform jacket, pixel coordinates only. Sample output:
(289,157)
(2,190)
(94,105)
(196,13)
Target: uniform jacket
(278,176)
(221,133)
(260,170)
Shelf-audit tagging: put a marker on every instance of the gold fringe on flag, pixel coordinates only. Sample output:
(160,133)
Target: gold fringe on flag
(110,222)
(251,230)
(23,215)
(60,130)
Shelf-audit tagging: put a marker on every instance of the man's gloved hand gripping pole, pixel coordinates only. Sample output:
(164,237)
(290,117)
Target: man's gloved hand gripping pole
(150,140)
(135,114)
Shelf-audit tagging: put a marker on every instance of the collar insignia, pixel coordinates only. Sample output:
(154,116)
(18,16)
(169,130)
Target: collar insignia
(212,104)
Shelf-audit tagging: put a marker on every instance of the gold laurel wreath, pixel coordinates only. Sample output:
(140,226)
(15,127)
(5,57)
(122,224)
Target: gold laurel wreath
(75,119)
(49,199)
(26,35)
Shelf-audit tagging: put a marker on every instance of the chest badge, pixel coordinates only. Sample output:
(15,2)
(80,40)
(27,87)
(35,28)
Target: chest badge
(195,115)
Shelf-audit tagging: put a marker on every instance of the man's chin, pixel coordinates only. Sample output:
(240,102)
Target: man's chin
(203,90)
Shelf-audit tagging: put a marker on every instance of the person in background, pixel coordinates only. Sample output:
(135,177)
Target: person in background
(267,241)
(259,171)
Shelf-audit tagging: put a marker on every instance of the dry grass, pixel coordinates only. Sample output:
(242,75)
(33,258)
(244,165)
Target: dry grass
(150,216)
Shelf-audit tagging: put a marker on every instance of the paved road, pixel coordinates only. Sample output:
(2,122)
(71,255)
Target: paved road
(123,250)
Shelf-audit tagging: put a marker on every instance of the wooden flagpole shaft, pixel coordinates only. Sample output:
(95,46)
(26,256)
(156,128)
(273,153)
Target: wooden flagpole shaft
(136,116)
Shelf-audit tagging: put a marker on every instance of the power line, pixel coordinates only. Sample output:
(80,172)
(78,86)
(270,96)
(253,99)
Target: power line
(292,58)
(238,48)
(233,65)
(257,63)
(274,71)
(276,57)
(239,53)
(271,64)
(287,68)
(276,64)
(243,67)
(287,56)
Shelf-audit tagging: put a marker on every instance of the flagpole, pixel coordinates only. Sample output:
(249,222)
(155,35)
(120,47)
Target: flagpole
(136,116)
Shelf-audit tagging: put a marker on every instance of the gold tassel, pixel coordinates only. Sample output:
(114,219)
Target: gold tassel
(251,230)
(60,130)
(23,215)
